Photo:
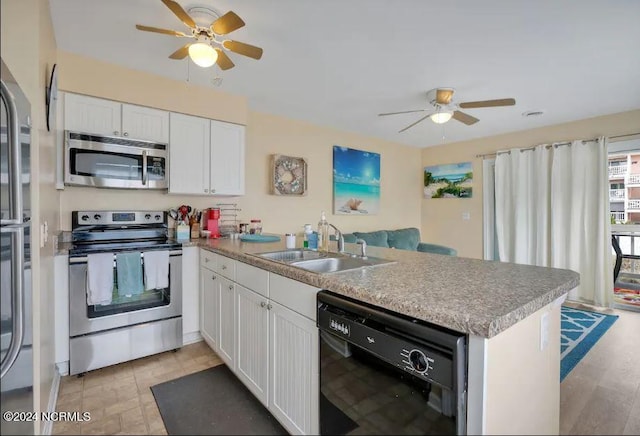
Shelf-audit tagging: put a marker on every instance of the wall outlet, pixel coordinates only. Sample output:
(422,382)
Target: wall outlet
(544,331)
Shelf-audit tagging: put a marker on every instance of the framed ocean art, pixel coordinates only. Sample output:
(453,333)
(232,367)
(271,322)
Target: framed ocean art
(448,181)
(356,182)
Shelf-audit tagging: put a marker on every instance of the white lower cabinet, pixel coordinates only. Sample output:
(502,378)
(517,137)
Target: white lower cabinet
(227,343)
(271,348)
(252,359)
(210,307)
(294,376)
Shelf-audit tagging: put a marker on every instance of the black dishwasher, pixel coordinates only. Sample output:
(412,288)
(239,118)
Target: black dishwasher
(383,373)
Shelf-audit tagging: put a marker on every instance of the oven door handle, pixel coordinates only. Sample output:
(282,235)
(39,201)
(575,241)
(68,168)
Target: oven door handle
(144,167)
(83,259)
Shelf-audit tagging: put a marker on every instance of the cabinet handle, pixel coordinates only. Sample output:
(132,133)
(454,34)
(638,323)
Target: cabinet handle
(213,277)
(269,306)
(125,134)
(231,287)
(206,260)
(206,190)
(224,266)
(213,191)
(115,132)
(263,304)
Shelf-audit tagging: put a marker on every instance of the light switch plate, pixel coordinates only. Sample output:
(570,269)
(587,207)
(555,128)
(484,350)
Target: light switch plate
(466,216)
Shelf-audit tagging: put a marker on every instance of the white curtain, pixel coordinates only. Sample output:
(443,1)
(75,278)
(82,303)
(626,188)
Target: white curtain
(552,209)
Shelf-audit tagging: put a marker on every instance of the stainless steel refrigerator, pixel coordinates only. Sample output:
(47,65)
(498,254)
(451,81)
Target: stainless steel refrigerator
(16,320)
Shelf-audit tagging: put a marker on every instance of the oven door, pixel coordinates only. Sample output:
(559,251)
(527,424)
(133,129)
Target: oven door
(124,310)
(107,165)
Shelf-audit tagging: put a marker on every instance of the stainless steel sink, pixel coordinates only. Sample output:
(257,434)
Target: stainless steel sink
(338,264)
(293,255)
(320,262)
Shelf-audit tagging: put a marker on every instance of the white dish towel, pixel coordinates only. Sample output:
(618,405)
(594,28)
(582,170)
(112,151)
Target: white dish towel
(99,278)
(156,269)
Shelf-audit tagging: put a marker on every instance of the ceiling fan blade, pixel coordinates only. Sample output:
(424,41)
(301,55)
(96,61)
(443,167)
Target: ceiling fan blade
(227,23)
(488,103)
(464,118)
(159,30)
(244,49)
(180,13)
(181,53)
(411,125)
(443,96)
(403,112)
(223,60)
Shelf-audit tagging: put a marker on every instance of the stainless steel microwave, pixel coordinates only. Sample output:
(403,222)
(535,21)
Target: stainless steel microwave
(114,162)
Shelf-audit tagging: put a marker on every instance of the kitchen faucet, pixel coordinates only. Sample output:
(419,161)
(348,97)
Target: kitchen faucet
(363,247)
(339,238)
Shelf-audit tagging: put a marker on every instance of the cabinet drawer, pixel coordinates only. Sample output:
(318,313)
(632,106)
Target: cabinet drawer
(226,267)
(253,278)
(295,295)
(208,259)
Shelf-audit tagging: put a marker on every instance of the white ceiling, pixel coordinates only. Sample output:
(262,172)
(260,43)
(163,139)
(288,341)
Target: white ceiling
(339,63)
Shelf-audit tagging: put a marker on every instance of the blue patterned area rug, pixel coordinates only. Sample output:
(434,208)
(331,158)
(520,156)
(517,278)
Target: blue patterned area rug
(579,331)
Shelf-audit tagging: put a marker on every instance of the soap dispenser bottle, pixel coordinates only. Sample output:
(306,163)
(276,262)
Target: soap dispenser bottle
(323,233)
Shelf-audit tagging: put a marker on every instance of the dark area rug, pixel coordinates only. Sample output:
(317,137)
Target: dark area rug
(213,402)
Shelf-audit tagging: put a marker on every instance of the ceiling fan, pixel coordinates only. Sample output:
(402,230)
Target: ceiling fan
(443,108)
(207,48)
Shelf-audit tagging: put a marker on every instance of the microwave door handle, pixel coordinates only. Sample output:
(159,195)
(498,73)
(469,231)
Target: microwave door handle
(14,157)
(144,167)
(17,296)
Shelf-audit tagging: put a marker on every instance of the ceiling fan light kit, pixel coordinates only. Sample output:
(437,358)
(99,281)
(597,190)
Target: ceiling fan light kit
(202,54)
(443,108)
(207,50)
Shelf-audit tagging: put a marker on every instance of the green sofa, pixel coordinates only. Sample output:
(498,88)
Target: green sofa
(402,239)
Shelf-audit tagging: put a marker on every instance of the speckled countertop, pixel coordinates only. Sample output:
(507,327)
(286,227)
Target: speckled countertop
(468,295)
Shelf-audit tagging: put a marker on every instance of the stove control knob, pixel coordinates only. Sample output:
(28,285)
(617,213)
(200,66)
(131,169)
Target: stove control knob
(418,361)
(158,217)
(147,216)
(97,216)
(84,217)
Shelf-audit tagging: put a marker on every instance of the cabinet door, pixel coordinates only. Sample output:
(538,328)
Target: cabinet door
(188,155)
(145,123)
(252,332)
(226,345)
(294,376)
(210,308)
(92,115)
(227,158)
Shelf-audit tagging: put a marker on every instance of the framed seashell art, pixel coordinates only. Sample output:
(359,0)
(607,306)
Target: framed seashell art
(288,175)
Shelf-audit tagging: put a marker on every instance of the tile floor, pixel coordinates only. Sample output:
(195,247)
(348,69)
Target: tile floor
(601,395)
(119,397)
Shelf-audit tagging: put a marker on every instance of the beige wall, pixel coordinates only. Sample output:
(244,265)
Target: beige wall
(442,218)
(30,56)
(266,134)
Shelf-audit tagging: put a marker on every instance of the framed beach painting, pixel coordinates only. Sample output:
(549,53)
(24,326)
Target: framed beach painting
(356,182)
(448,181)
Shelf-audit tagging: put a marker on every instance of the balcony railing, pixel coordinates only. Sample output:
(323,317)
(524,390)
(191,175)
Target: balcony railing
(618,217)
(633,204)
(616,171)
(634,179)
(616,194)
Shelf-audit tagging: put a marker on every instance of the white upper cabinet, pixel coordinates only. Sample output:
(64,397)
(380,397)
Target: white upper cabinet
(148,124)
(206,157)
(188,155)
(107,117)
(227,158)
(92,115)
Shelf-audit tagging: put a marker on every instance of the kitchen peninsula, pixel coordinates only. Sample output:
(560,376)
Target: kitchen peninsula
(510,312)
